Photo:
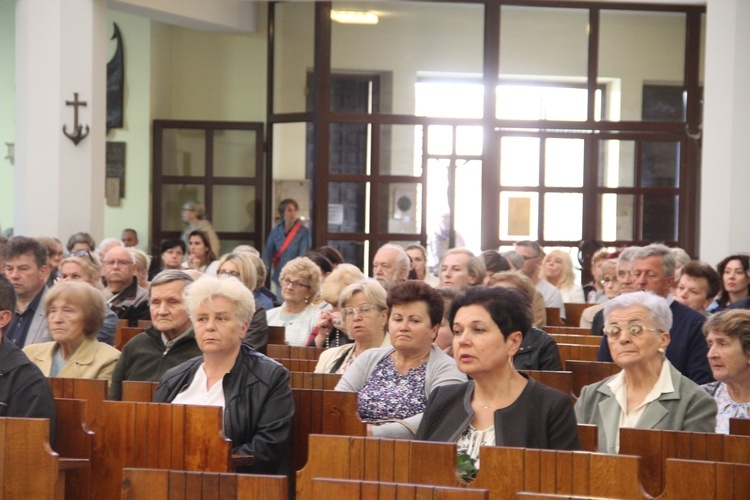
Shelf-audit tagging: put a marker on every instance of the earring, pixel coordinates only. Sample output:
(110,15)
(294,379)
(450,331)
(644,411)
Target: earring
(661,350)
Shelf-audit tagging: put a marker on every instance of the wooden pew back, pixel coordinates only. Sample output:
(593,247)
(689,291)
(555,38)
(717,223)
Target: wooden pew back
(568,330)
(346,488)
(293,352)
(705,480)
(148,484)
(739,426)
(28,467)
(576,352)
(656,446)
(308,380)
(562,381)
(125,334)
(298,365)
(75,440)
(589,372)
(276,335)
(562,338)
(573,312)
(138,391)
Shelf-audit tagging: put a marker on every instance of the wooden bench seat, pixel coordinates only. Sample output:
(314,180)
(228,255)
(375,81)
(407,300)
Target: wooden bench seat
(576,352)
(298,365)
(149,484)
(568,330)
(739,426)
(656,446)
(700,480)
(347,488)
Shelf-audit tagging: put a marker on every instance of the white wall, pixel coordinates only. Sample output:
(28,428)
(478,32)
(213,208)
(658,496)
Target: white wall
(7,108)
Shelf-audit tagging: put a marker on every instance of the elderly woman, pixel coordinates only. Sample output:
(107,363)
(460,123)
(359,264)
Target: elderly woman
(200,253)
(538,351)
(418,257)
(460,268)
(364,313)
(649,393)
(83,266)
(300,283)
(394,382)
(728,336)
(610,286)
(329,329)
(499,406)
(241,267)
(252,390)
(75,313)
(557,268)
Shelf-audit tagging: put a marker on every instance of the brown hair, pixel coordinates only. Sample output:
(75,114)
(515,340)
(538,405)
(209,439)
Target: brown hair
(732,323)
(84,296)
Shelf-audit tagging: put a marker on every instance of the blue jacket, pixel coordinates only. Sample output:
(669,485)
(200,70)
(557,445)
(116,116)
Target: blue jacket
(300,245)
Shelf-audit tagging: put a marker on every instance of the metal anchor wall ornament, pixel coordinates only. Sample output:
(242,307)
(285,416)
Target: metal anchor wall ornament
(79,134)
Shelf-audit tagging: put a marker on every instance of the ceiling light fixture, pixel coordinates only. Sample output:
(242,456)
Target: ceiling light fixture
(354,17)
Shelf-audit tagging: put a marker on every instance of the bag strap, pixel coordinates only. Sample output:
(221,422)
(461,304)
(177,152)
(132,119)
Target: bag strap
(288,241)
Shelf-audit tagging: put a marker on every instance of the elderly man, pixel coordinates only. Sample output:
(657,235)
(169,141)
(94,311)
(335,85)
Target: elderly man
(26,267)
(129,238)
(533,255)
(129,301)
(165,344)
(24,392)
(390,265)
(653,271)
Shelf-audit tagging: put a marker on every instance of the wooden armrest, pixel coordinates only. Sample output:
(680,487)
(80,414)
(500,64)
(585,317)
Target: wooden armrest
(241,460)
(72,463)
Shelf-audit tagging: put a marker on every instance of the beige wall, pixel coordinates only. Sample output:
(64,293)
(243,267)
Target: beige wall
(7,108)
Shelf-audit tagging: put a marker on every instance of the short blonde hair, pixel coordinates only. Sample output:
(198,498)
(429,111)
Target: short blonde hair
(245,267)
(373,291)
(81,295)
(208,288)
(341,277)
(475,266)
(306,269)
(516,279)
(89,265)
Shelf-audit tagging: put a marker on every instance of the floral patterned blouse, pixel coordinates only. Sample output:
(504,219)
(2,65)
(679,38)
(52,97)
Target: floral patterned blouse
(728,408)
(391,395)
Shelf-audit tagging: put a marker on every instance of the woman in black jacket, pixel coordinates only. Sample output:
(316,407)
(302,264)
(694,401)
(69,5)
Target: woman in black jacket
(252,389)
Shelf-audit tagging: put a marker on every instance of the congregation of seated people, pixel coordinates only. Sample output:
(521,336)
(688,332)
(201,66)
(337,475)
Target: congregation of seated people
(435,353)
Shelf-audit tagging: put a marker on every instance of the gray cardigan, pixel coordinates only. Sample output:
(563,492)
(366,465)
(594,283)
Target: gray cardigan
(687,408)
(441,370)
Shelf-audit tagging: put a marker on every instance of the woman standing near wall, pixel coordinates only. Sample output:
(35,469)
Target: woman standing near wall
(289,239)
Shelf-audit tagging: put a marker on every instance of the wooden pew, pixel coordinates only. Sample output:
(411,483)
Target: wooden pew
(553,317)
(28,466)
(562,381)
(568,330)
(138,391)
(573,312)
(576,352)
(298,365)
(276,335)
(125,334)
(698,480)
(589,372)
(94,392)
(149,484)
(294,352)
(347,488)
(739,426)
(504,471)
(562,338)
(589,436)
(656,446)
(75,440)
(308,380)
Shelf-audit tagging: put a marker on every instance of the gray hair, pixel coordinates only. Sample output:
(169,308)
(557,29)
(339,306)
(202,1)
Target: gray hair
(514,257)
(402,261)
(657,307)
(475,266)
(370,288)
(209,287)
(668,261)
(169,276)
(627,255)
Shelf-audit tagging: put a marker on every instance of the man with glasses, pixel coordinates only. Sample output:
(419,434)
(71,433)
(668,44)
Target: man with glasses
(653,271)
(26,268)
(129,301)
(533,255)
(168,342)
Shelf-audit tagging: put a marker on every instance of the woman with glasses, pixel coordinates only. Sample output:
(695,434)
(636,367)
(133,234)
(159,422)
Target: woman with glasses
(649,393)
(364,315)
(394,382)
(610,286)
(329,329)
(300,283)
(239,266)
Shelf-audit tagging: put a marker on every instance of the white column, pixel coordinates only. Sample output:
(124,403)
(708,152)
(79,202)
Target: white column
(725,185)
(61,48)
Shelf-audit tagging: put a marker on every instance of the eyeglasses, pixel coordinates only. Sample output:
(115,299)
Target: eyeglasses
(80,254)
(607,281)
(364,309)
(613,332)
(294,284)
(121,263)
(233,274)
(525,257)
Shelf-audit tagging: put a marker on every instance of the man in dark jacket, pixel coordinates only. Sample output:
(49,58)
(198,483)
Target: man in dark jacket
(24,392)
(165,344)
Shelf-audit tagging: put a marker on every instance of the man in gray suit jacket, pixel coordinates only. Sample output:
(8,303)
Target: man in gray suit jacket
(26,268)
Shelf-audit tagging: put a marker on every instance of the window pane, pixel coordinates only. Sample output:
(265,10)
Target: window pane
(439,139)
(663,227)
(469,140)
(353,252)
(350,148)
(235,208)
(519,216)
(563,216)
(400,208)
(234,153)
(635,48)
(545,42)
(173,196)
(448,99)
(541,102)
(401,150)
(438,211)
(563,162)
(410,38)
(616,212)
(293,54)
(519,161)
(184,152)
(660,164)
(616,163)
(348,207)
(289,149)
(469,203)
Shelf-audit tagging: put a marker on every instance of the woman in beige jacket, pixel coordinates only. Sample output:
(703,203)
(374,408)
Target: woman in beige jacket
(75,313)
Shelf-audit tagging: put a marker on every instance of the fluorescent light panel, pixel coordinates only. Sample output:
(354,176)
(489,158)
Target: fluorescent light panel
(354,17)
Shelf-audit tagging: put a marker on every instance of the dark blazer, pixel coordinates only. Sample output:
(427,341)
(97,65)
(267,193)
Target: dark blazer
(538,351)
(540,418)
(687,349)
(687,408)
